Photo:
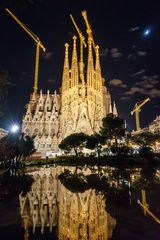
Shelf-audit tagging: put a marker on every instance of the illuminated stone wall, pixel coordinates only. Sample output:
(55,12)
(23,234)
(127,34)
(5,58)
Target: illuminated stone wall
(3,133)
(79,107)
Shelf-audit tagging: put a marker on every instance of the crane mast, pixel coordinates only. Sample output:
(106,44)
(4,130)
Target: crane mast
(137,110)
(82,38)
(82,43)
(38,46)
(89,30)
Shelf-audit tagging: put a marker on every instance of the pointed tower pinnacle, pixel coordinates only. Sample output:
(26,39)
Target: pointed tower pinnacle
(90,67)
(65,77)
(98,76)
(97,59)
(115,113)
(41,96)
(33,96)
(110,108)
(81,63)
(28,109)
(74,66)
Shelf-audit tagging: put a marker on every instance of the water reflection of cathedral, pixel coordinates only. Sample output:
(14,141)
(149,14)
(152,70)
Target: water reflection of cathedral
(75,215)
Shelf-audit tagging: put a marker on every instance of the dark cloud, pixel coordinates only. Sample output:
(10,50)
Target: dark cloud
(140,72)
(145,87)
(148,81)
(133,29)
(141,53)
(47,55)
(135,52)
(115,53)
(51,81)
(11,84)
(130,55)
(134,90)
(148,86)
(123,85)
(117,83)
(125,98)
(104,52)
(154,93)
(24,73)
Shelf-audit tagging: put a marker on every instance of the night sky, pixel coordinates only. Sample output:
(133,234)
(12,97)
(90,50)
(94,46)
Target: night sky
(128,33)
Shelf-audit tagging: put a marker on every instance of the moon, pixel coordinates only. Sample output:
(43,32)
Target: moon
(147,32)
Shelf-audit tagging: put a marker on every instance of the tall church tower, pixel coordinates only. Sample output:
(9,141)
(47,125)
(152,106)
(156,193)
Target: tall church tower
(80,106)
(85,99)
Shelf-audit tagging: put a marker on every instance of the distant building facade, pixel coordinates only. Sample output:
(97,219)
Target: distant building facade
(155,125)
(3,133)
(81,104)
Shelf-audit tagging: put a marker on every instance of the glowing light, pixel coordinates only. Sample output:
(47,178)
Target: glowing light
(147,32)
(14,128)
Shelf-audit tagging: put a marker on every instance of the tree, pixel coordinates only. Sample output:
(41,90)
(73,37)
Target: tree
(113,128)
(14,148)
(25,147)
(95,142)
(145,139)
(6,153)
(73,141)
(120,151)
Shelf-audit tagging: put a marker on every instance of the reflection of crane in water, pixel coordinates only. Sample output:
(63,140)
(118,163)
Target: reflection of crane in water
(145,207)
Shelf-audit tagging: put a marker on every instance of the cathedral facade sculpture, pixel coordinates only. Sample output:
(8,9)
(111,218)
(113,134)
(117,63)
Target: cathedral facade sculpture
(81,104)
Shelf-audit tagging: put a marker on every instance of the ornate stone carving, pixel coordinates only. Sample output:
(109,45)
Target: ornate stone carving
(79,107)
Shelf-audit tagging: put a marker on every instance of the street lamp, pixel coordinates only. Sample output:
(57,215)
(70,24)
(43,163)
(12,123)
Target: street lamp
(14,128)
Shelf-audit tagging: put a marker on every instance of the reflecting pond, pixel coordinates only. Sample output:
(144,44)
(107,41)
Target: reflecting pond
(89,203)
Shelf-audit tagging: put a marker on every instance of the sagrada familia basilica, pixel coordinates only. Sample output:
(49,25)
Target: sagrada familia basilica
(80,105)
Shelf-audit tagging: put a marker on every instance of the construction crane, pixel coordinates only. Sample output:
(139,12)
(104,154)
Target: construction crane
(38,46)
(136,110)
(82,43)
(82,38)
(89,30)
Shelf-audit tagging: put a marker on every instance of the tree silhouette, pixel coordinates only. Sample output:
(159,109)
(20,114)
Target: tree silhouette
(74,141)
(14,148)
(95,142)
(145,139)
(113,128)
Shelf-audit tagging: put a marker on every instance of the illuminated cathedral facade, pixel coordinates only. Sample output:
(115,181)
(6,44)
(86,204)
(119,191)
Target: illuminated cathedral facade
(81,104)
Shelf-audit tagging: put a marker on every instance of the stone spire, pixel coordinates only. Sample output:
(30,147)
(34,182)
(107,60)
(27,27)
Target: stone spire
(90,67)
(48,101)
(81,63)
(110,107)
(28,112)
(115,113)
(65,77)
(40,100)
(98,77)
(74,66)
